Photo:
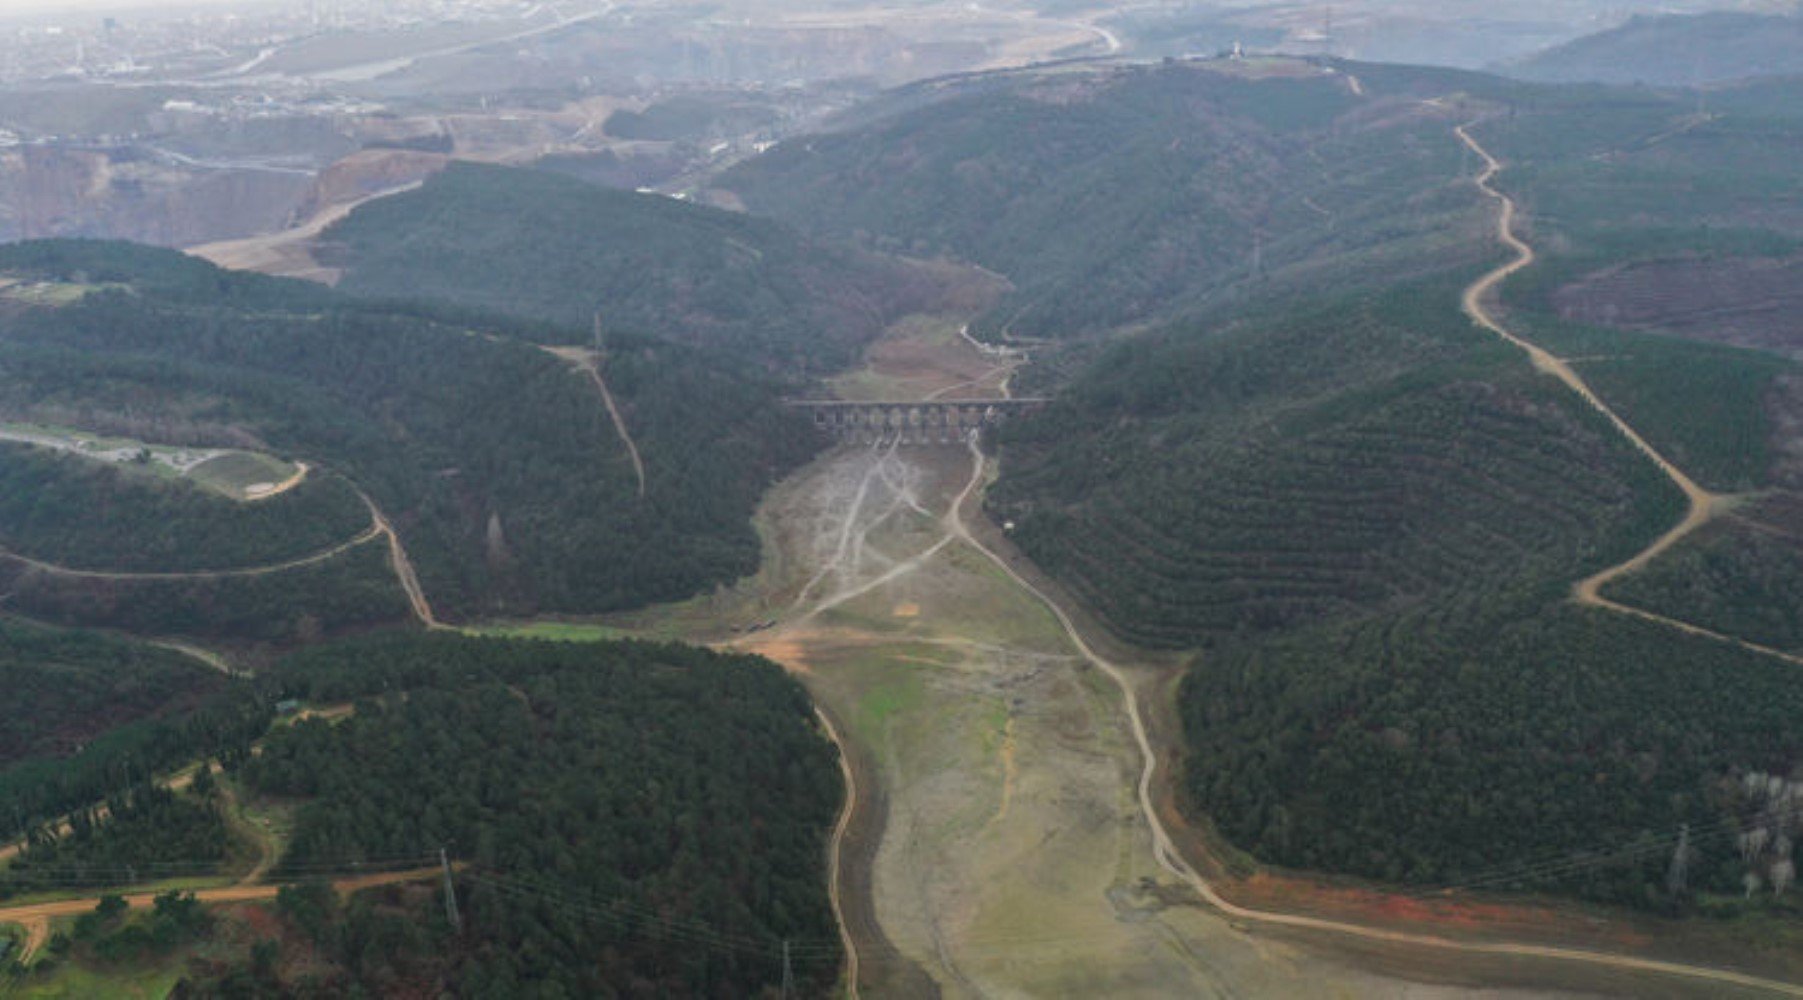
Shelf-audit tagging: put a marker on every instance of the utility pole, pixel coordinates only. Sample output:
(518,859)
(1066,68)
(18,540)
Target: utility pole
(788,976)
(597,333)
(450,893)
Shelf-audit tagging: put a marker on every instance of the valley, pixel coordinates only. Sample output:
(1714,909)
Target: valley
(1016,508)
(995,755)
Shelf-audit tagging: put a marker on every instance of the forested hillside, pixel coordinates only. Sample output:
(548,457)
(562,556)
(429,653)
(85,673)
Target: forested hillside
(82,514)
(1675,50)
(1459,742)
(1361,455)
(1120,195)
(1372,518)
(64,688)
(612,801)
(542,246)
(1372,513)
(496,461)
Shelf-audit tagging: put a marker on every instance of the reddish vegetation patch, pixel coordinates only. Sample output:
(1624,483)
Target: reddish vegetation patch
(1747,301)
(1452,914)
(256,918)
(1784,407)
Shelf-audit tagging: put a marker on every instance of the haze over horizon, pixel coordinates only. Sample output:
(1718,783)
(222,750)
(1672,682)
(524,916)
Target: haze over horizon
(901,498)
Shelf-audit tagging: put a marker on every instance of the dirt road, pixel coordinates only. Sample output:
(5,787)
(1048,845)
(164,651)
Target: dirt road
(1170,858)
(300,475)
(587,361)
(379,526)
(36,917)
(201,574)
(402,566)
(1702,505)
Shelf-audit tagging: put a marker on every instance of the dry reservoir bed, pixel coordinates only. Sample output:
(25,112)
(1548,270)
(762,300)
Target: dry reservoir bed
(1011,858)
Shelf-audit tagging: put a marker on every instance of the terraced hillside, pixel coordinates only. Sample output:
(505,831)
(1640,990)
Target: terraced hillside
(1123,195)
(551,248)
(496,462)
(1742,576)
(1361,456)
(1746,301)
(1371,515)
(1499,746)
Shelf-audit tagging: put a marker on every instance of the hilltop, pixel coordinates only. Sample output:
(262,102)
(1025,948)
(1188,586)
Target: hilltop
(546,247)
(499,467)
(1111,196)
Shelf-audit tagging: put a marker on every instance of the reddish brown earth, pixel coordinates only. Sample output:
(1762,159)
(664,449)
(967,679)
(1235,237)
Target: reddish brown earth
(1745,301)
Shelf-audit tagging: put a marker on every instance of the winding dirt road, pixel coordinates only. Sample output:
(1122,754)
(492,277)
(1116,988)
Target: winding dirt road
(323,555)
(1702,505)
(379,525)
(835,850)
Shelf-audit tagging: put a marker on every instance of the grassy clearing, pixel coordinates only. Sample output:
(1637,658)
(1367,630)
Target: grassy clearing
(50,293)
(900,691)
(916,357)
(242,474)
(81,981)
(236,475)
(555,631)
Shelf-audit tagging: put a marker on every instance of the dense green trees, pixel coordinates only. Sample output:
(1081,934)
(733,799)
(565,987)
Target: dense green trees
(1739,578)
(140,835)
(1377,452)
(612,801)
(495,460)
(42,788)
(83,514)
(1373,516)
(64,688)
(546,247)
(356,588)
(1130,194)
(1461,742)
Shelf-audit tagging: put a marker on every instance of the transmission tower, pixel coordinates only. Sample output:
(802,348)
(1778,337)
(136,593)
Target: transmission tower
(450,894)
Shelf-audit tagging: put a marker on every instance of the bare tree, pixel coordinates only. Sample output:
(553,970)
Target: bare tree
(1783,873)
(1677,875)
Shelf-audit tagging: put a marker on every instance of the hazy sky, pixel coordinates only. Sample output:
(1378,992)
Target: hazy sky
(91,6)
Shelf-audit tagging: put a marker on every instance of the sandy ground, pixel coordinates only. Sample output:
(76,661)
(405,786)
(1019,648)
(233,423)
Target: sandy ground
(1000,842)
(1014,859)
(289,253)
